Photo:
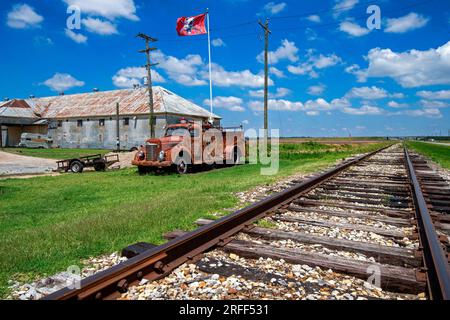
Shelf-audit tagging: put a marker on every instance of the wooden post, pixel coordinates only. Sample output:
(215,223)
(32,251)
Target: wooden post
(148,66)
(1,135)
(266,75)
(117,127)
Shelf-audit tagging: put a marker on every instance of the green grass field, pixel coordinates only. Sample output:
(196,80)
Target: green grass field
(58,154)
(438,153)
(50,223)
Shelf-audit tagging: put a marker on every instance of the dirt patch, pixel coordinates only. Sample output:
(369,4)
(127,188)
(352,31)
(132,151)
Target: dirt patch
(125,159)
(13,164)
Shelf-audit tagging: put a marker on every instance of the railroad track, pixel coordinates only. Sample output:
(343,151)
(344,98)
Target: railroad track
(381,219)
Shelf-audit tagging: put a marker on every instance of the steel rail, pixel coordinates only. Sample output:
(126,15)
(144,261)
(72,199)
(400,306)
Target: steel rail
(158,262)
(435,261)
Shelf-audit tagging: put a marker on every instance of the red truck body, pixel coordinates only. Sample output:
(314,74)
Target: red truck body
(189,144)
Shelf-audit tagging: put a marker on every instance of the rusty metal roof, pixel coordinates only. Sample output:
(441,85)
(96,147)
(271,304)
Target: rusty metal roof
(131,102)
(17,109)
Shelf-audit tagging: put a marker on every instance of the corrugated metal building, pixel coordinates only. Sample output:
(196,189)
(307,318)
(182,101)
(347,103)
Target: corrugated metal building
(88,120)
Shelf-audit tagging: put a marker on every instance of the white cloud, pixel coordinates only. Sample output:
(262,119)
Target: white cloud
(107,8)
(99,26)
(274,8)
(342,6)
(406,23)
(369,93)
(23,16)
(437,95)
(314,63)
(61,82)
(428,113)
(314,18)
(288,50)
(361,75)
(228,103)
(279,105)
(353,29)
(394,104)
(363,111)
(276,72)
(183,71)
(434,104)
(77,37)
(316,90)
(280,93)
(413,68)
(218,43)
(128,77)
(244,78)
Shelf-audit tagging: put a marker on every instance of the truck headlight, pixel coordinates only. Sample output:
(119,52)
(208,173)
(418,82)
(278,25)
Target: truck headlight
(141,155)
(162,156)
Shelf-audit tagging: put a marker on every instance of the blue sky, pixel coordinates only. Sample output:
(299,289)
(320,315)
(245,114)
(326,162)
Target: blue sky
(330,74)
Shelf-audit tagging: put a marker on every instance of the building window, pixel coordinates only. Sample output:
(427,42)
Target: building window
(59,124)
(101,122)
(126,121)
(79,123)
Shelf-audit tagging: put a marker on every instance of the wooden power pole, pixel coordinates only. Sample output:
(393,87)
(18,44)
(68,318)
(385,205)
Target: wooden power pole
(267,32)
(147,50)
(118,126)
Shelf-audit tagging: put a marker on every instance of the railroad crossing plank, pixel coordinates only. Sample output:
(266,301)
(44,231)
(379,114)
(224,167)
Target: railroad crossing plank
(383,254)
(394,278)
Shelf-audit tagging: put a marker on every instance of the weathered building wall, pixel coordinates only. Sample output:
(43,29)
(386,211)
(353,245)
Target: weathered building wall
(91,135)
(12,134)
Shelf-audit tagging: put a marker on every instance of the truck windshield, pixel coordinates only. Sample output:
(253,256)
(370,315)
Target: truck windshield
(176,132)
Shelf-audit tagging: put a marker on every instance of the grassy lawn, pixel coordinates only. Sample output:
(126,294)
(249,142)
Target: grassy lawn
(438,153)
(58,154)
(50,223)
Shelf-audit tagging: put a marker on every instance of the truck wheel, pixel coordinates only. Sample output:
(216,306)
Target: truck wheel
(236,157)
(181,166)
(100,166)
(143,170)
(76,167)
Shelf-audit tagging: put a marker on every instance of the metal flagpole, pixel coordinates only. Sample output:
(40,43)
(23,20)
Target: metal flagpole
(211,119)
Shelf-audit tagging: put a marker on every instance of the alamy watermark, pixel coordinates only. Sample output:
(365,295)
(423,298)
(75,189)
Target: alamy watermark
(73,22)
(374,20)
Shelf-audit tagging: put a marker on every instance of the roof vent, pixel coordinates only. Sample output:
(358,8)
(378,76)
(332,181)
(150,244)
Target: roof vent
(95,90)
(32,96)
(136,86)
(61,93)
(6,99)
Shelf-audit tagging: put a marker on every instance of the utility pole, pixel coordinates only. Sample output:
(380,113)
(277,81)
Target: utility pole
(117,127)
(267,32)
(147,50)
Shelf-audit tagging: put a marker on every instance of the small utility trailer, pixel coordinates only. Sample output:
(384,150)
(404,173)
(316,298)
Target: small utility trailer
(97,161)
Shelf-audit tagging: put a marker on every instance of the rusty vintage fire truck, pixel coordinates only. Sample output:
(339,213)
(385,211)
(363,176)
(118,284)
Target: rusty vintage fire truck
(192,144)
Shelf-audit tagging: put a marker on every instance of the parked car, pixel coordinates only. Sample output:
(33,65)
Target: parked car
(35,140)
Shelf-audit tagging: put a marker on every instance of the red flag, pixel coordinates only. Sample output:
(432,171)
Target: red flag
(191,26)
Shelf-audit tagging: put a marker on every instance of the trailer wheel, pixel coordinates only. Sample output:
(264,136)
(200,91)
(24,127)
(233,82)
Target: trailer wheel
(76,166)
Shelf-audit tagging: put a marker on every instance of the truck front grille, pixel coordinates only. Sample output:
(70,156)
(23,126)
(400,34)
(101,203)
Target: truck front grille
(152,154)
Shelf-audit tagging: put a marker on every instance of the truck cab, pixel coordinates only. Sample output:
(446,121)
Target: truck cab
(189,144)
